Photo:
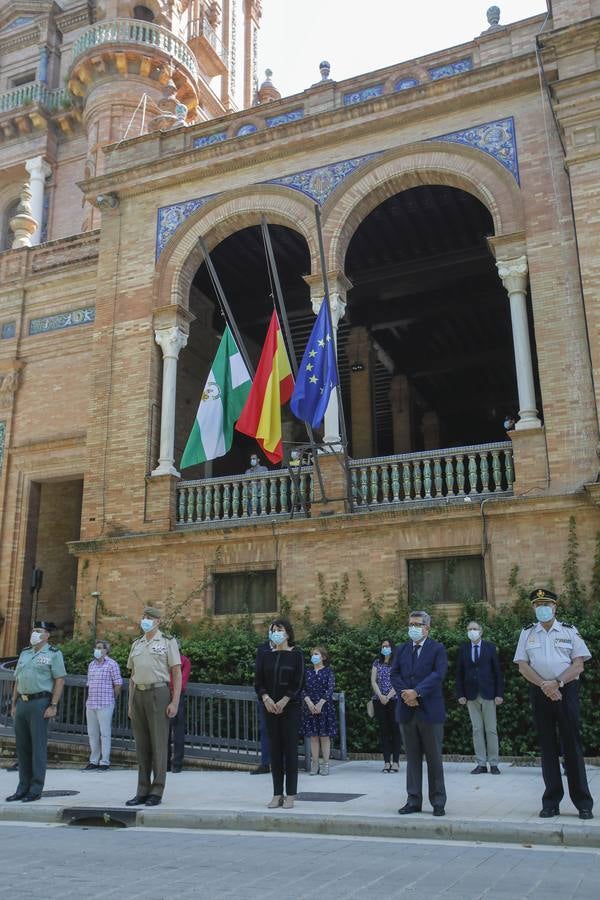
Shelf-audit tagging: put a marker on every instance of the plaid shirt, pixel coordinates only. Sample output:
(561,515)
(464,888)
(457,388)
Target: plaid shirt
(101,679)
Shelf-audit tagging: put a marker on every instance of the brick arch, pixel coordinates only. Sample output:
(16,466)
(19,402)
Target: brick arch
(220,218)
(434,162)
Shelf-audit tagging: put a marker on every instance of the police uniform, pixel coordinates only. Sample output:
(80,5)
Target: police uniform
(36,671)
(151,661)
(549,653)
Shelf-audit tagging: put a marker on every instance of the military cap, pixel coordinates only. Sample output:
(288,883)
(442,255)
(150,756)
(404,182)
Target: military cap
(543,594)
(153,611)
(47,626)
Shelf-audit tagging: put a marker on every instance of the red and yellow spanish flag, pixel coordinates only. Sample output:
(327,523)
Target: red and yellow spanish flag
(273,386)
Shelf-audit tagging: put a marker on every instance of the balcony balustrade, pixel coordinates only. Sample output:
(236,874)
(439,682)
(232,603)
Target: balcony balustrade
(33,93)
(207,46)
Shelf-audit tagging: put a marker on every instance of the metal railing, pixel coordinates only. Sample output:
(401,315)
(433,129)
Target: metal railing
(221,721)
(481,470)
(134,31)
(201,27)
(36,92)
(238,498)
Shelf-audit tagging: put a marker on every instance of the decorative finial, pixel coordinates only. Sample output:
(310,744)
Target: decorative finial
(267,91)
(493,16)
(268,74)
(324,69)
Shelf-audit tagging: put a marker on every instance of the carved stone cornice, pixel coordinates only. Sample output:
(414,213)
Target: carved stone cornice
(21,38)
(74,18)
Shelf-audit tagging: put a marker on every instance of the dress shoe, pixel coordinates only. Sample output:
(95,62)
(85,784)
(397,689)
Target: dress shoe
(153,800)
(408,808)
(439,811)
(548,812)
(494,770)
(103,768)
(479,770)
(90,766)
(29,798)
(16,796)
(586,814)
(176,769)
(136,801)
(260,770)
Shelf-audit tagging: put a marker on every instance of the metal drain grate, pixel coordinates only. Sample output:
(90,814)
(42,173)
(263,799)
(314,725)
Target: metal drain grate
(318,797)
(59,793)
(96,817)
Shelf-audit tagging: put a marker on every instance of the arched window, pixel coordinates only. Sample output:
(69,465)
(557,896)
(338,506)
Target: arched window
(143,14)
(6,236)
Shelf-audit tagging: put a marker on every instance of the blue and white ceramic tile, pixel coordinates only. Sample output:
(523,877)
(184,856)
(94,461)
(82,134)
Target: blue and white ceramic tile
(496,138)
(248,128)
(319,184)
(8,330)
(368,93)
(207,139)
(405,83)
(284,118)
(2,433)
(169,218)
(453,68)
(62,320)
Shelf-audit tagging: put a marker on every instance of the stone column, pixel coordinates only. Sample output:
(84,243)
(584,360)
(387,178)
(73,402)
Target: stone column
(359,350)
(430,426)
(171,340)
(38,170)
(513,273)
(400,401)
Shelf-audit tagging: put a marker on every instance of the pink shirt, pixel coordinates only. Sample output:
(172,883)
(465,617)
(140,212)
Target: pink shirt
(102,677)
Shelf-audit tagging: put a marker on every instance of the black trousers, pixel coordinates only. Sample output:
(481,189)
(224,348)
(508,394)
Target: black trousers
(391,742)
(283,731)
(561,717)
(31,738)
(424,739)
(177,737)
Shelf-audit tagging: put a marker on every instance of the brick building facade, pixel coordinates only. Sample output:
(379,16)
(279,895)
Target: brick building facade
(458,196)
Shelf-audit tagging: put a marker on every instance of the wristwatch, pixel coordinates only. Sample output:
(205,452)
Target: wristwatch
(561,684)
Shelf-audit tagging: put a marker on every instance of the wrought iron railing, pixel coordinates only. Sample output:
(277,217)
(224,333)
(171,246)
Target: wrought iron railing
(33,93)
(221,721)
(133,31)
(480,470)
(238,498)
(201,27)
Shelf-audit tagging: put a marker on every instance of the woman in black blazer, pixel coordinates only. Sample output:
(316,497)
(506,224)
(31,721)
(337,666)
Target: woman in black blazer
(278,684)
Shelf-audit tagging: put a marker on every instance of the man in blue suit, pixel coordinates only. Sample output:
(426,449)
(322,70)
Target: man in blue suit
(418,670)
(480,686)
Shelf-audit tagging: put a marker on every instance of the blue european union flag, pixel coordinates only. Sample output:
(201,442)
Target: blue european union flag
(318,374)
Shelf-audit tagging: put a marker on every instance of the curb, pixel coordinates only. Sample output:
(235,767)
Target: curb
(425,828)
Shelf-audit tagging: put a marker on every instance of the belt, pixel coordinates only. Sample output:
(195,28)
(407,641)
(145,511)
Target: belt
(28,697)
(148,687)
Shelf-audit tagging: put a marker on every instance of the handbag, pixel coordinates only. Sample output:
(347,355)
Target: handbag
(370,709)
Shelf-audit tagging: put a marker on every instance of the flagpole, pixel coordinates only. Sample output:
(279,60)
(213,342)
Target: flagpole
(342,418)
(290,342)
(225,308)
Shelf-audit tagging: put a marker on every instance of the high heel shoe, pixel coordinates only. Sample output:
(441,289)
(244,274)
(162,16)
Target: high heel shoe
(276,801)
(387,768)
(395,767)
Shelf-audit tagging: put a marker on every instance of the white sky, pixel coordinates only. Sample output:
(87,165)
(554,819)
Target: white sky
(358,36)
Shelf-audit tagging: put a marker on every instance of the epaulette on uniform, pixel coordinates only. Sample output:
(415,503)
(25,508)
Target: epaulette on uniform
(567,625)
(527,627)
(52,649)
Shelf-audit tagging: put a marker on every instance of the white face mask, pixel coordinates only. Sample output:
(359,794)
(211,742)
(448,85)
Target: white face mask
(36,638)
(98,653)
(473,634)
(253,461)
(147,624)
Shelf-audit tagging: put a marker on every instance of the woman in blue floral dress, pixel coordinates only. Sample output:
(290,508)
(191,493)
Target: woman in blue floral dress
(318,712)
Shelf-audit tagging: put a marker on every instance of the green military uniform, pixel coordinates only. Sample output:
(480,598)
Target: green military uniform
(151,661)
(36,671)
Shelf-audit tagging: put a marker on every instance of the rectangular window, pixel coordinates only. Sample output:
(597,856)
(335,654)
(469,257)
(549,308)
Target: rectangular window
(453,579)
(243,592)
(18,80)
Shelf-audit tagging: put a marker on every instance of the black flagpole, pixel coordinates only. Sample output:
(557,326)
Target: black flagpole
(341,416)
(290,342)
(225,308)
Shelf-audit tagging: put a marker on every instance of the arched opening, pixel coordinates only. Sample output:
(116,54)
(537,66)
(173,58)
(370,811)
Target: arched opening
(428,346)
(240,262)
(143,14)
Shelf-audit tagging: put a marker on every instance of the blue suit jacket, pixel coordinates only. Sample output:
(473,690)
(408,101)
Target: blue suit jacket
(426,678)
(483,680)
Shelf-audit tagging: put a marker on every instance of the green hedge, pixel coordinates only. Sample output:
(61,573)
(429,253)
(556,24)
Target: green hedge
(223,652)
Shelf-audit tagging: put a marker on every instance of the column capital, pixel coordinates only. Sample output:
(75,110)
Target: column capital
(38,167)
(337,306)
(171,341)
(338,284)
(513,273)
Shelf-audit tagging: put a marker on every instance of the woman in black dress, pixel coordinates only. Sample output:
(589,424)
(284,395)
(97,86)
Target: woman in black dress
(278,683)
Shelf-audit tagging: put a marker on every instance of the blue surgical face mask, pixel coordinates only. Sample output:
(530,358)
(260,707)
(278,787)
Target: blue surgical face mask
(315,659)
(415,632)
(98,653)
(386,651)
(544,613)
(147,624)
(277,637)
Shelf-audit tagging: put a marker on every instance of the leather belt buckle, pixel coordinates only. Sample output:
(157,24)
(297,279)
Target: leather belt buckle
(25,697)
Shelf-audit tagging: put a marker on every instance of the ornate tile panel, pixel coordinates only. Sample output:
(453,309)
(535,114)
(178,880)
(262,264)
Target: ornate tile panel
(453,68)
(406,83)
(2,433)
(368,93)
(8,330)
(496,138)
(248,128)
(169,218)
(62,320)
(207,139)
(319,183)
(284,118)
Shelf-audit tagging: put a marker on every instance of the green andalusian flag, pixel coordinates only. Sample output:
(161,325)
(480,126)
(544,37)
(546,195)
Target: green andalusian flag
(223,399)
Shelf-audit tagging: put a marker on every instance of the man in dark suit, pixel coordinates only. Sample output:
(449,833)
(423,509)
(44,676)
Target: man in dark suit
(418,670)
(480,686)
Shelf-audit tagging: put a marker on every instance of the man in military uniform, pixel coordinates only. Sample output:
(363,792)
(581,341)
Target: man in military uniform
(550,655)
(154,660)
(39,681)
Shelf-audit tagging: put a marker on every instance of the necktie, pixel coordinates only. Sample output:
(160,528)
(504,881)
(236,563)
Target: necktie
(476,654)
